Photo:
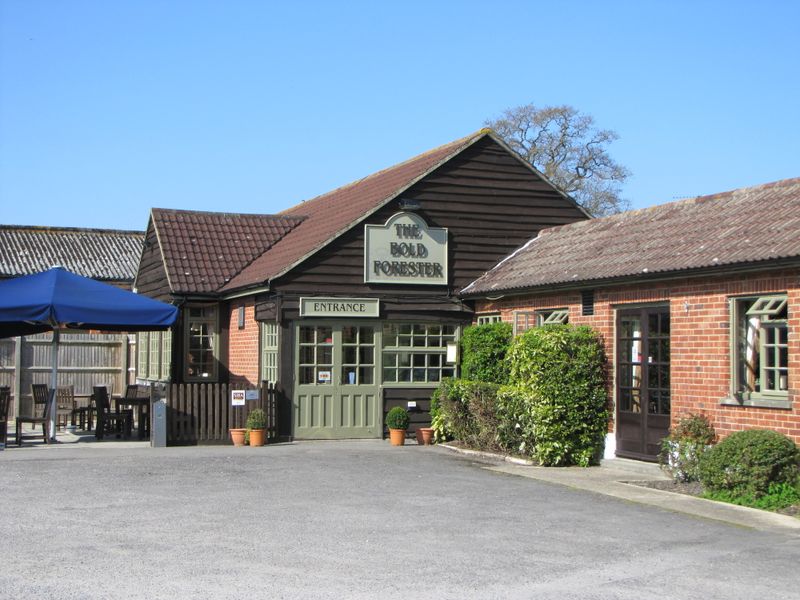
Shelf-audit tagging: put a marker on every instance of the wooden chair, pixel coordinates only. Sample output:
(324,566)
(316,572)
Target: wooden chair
(108,421)
(137,392)
(65,404)
(82,415)
(41,405)
(5,400)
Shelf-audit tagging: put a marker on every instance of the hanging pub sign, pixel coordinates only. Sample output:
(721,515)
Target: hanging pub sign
(406,251)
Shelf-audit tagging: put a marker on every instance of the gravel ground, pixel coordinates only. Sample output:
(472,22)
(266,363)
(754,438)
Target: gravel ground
(351,520)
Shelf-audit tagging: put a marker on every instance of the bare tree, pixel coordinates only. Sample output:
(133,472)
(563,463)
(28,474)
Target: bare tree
(572,153)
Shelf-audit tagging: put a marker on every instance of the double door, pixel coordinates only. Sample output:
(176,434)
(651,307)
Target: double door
(643,381)
(336,391)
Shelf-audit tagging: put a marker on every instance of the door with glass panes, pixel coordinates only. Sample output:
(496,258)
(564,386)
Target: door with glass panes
(643,381)
(336,391)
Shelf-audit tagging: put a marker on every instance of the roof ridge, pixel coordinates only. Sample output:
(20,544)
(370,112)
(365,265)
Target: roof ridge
(455,144)
(726,195)
(56,228)
(226,214)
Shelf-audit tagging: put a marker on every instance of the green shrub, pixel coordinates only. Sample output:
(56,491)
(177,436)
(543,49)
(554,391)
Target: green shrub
(467,412)
(514,420)
(397,418)
(441,432)
(257,419)
(562,366)
(682,448)
(483,352)
(779,495)
(747,463)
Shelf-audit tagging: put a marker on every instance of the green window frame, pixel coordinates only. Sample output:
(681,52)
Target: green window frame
(166,355)
(558,316)
(154,361)
(760,348)
(143,353)
(269,352)
(492,318)
(415,353)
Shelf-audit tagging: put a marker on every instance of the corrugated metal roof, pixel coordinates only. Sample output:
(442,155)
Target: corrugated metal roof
(748,225)
(104,254)
(203,250)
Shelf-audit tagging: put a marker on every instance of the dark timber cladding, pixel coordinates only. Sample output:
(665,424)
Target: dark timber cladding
(151,279)
(488,200)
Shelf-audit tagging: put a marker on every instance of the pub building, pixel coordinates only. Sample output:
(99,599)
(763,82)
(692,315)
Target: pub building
(347,302)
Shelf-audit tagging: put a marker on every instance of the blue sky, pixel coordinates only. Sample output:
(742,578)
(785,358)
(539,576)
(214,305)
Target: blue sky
(110,108)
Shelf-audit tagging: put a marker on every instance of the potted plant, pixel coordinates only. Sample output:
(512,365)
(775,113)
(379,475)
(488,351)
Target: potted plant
(424,436)
(256,426)
(397,422)
(237,435)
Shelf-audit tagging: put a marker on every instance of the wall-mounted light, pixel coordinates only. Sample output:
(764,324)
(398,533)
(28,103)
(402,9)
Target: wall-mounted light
(409,204)
(452,353)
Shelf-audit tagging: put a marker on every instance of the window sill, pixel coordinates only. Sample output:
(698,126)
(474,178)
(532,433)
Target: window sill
(761,402)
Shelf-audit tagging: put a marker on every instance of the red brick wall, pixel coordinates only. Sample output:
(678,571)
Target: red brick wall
(700,340)
(243,344)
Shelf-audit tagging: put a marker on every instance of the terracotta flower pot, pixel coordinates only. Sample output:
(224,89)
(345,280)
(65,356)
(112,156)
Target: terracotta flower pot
(237,435)
(257,437)
(425,435)
(397,437)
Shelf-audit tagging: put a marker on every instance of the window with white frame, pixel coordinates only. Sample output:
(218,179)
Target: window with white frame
(416,352)
(269,352)
(493,318)
(524,320)
(201,344)
(760,347)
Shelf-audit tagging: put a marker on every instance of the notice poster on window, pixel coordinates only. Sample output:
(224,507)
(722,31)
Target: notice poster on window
(237,397)
(324,377)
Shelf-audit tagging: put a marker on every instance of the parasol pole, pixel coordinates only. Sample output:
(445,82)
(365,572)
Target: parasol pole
(53,383)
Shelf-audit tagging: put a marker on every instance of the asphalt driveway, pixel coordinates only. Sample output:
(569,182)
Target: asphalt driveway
(351,520)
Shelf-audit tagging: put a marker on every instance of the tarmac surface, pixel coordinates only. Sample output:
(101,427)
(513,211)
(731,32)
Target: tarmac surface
(361,519)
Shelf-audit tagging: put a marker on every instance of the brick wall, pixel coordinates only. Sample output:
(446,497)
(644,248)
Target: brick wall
(700,340)
(243,344)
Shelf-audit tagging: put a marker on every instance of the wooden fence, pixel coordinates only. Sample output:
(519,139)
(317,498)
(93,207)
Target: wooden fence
(84,360)
(202,413)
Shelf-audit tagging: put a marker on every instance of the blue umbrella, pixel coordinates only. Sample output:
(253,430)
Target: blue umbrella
(57,299)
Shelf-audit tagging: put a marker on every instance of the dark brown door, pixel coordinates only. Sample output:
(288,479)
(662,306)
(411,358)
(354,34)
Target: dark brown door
(643,398)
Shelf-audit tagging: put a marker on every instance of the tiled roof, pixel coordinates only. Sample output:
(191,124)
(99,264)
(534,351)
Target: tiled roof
(203,250)
(748,225)
(332,213)
(104,254)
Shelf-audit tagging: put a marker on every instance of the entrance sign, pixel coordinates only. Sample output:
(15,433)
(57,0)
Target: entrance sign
(340,307)
(405,251)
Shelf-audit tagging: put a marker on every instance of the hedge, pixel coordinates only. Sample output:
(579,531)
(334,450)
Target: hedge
(483,352)
(562,368)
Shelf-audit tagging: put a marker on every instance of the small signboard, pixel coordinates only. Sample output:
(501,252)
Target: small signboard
(237,397)
(324,376)
(251,394)
(340,307)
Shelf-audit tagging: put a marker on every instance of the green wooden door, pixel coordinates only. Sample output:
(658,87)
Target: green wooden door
(336,395)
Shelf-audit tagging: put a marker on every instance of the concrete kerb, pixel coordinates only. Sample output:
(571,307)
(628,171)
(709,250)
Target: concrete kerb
(617,478)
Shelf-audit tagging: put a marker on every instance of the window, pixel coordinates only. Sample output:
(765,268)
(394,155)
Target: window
(269,352)
(760,346)
(201,343)
(552,317)
(154,355)
(143,347)
(484,319)
(587,303)
(524,321)
(316,355)
(416,353)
